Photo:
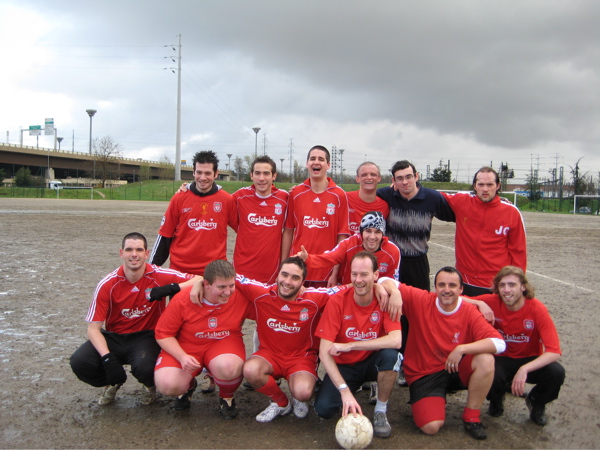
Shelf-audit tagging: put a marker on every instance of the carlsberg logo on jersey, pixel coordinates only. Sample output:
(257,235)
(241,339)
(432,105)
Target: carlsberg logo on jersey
(135,312)
(283,327)
(261,220)
(310,222)
(357,335)
(198,225)
(212,334)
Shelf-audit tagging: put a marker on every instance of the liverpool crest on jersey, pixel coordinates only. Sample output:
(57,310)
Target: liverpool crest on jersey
(375,316)
(212,322)
(278,209)
(330,209)
(528,324)
(217,206)
(304,314)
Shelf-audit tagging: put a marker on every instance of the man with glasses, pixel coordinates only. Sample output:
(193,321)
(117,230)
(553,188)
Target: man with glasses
(412,209)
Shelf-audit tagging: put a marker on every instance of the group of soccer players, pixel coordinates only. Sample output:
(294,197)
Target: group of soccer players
(319,271)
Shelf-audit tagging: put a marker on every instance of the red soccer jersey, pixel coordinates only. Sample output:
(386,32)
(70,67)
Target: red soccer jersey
(528,332)
(285,327)
(357,208)
(196,326)
(489,236)
(198,227)
(122,305)
(258,244)
(433,333)
(388,257)
(345,321)
(318,220)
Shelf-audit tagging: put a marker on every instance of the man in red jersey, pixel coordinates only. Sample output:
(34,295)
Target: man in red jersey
(208,335)
(359,342)
(193,231)
(450,347)
(286,320)
(490,233)
(128,302)
(317,216)
(370,238)
(532,345)
(261,209)
(365,199)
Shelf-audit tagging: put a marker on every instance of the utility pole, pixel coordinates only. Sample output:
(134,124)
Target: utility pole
(292,159)
(178,132)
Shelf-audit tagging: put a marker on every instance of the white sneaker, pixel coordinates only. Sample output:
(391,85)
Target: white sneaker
(109,394)
(300,408)
(401,380)
(272,411)
(148,395)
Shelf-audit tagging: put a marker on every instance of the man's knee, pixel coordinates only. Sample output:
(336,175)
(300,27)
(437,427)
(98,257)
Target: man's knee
(324,409)
(483,363)
(432,428)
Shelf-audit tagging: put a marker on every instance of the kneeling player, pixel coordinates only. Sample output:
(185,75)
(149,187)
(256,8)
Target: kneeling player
(208,335)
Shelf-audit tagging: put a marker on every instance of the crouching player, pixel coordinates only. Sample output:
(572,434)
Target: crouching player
(208,335)
(532,346)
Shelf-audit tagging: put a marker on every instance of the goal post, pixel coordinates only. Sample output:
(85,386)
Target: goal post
(586,204)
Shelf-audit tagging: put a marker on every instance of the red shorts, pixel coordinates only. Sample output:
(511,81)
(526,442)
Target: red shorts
(284,366)
(206,353)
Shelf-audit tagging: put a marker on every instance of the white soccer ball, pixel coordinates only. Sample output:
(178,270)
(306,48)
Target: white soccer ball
(354,431)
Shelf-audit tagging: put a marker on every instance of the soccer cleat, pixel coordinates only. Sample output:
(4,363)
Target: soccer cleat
(496,408)
(184,401)
(537,412)
(148,395)
(300,408)
(476,430)
(228,412)
(373,393)
(381,426)
(401,380)
(109,394)
(208,384)
(272,411)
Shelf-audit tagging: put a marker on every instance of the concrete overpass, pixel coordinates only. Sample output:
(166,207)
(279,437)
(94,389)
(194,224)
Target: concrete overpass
(76,166)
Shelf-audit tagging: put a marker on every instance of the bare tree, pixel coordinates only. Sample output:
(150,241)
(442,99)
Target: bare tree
(167,169)
(579,181)
(106,155)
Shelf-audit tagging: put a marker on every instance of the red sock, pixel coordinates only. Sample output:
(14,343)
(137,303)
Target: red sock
(274,392)
(228,387)
(471,415)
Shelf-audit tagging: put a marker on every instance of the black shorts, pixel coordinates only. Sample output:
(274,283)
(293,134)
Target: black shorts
(435,385)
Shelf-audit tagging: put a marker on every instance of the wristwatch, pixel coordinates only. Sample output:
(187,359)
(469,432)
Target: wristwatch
(342,386)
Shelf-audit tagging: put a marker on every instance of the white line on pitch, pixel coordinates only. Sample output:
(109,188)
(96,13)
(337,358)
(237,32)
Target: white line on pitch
(530,272)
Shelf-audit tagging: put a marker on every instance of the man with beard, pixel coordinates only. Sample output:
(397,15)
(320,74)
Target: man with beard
(490,233)
(359,343)
(286,319)
(532,346)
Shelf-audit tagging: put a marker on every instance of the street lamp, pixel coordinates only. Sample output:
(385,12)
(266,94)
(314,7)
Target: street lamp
(91,113)
(256,130)
(229,155)
(59,140)
(281,159)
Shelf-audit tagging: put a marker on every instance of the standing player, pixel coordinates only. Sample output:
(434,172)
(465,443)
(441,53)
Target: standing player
(193,231)
(365,199)
(450,347)
(412,209)
(359,342)
(490,233)
(286,321)
(261,208)
(317,216)
(370,238)
(532,346)
(128,302)
(209,335)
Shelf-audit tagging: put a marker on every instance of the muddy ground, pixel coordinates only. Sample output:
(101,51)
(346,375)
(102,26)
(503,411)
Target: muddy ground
(54,252)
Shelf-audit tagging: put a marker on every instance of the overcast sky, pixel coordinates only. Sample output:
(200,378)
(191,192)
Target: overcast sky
(473,82)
